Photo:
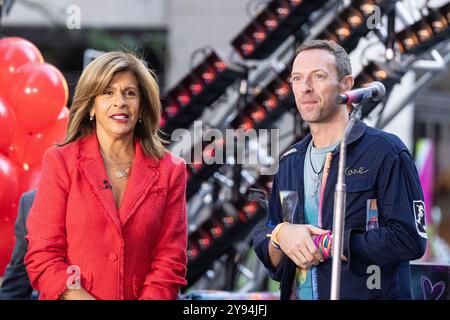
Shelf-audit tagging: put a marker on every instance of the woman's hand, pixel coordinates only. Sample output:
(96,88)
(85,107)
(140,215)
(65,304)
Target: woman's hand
(76,294)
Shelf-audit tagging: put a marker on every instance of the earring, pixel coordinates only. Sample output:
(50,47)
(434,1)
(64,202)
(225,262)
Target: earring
(91,118)
(140,120)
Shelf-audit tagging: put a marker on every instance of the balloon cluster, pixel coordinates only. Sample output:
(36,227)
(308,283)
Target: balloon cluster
(33,116)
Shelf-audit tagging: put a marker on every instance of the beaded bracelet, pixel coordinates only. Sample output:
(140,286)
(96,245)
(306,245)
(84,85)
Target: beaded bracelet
(324,244)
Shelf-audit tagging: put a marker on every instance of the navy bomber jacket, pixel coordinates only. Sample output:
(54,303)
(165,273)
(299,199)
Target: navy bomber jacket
(379,166)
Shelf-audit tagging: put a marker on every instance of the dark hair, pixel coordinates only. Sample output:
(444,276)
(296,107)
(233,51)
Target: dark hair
(343,66)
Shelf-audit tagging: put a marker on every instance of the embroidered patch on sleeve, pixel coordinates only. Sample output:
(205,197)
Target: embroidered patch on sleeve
(419,216)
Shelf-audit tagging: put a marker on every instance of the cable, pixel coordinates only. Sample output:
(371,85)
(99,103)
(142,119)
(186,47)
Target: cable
(248,9)
(364,51)
(205,50)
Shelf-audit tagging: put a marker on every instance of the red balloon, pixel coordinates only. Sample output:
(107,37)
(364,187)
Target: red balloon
(9,182)
(7,240)
(7,125)
(39,142)
(9,213)
(16,150)
(15,52)
(37,94)
(29,179)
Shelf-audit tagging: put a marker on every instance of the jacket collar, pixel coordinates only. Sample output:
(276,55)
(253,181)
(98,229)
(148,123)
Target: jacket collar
(143,177)
(357,132)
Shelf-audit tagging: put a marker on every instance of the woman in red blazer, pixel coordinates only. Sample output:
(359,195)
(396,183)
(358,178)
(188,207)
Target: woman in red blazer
(109,218)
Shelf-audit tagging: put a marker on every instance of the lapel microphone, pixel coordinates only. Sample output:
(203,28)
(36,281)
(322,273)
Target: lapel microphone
(106,185)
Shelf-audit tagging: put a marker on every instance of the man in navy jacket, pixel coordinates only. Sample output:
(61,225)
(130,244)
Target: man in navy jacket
(384,218)
(16,284)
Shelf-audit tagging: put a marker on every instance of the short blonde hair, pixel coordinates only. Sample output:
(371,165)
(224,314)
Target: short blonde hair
(95,79)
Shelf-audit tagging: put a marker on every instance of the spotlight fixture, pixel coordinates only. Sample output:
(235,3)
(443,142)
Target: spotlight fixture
(425,33)
(196,91)
(273,25)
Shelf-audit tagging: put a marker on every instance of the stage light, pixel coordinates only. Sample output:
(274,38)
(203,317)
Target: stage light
(192,250)
(172,108)
(220,65)
(438,21)
(377,71)
(199,169)
(258,114)
(196,88)
(216,231)
(349,26)
(367,8)
(424,33)
(199,89)
(283,89)
(343,31)
(162,120)
(208,76)
(204,241)
(353,17)
(267,105)
(184,99)
(269,101)
(283,10)
(279,20)
(228,221)
(215,236)
(407,40)
(246,124)
(250,209)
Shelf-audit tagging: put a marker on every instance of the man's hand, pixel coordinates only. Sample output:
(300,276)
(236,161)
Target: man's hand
(296,242)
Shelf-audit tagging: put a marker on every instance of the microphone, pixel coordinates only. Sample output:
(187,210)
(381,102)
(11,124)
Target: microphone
(374,92)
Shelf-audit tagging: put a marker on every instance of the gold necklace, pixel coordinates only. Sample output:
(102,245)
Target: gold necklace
(121,173)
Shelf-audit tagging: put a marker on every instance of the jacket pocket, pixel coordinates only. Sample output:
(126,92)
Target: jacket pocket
(358,192)
(358,185)
(138,282)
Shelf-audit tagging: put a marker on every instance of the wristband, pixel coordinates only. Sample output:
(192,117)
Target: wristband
(274,235)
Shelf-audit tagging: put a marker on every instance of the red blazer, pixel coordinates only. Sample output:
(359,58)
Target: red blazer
(135,252)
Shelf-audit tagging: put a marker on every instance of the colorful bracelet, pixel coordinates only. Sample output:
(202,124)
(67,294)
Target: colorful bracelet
(324,243)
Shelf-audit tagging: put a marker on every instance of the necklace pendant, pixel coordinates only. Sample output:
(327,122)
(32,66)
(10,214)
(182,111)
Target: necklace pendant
(120,174)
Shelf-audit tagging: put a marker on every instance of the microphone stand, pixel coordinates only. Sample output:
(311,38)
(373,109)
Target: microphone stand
(339,207)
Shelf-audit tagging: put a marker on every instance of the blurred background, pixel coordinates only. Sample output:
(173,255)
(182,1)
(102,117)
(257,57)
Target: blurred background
(227,64)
